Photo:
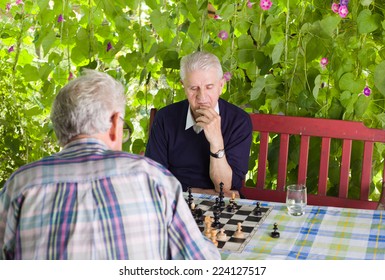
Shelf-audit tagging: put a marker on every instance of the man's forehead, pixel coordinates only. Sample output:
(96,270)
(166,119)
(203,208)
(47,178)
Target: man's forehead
(203,78)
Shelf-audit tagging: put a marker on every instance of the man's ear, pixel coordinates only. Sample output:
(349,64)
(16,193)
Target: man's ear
(113,133)
(222,84)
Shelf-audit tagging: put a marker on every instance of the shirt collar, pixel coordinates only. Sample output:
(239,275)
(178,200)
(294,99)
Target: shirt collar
(190,122)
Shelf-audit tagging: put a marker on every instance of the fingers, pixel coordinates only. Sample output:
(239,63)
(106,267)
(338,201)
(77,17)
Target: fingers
(207,115)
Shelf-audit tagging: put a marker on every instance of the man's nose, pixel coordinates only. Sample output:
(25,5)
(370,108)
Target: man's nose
(202,94)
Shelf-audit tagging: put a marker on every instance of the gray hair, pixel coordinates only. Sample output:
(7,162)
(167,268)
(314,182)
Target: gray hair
(85,105)
(199,61)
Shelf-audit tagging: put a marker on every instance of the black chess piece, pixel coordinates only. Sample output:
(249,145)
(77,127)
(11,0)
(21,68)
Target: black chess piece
(221,196)
(257,211)
(190,198)
(275,233)
(198,216)
(216,223)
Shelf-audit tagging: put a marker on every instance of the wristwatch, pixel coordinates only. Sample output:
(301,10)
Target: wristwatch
(218,154)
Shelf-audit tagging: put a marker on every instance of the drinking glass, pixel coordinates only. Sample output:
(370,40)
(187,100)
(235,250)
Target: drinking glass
(296,199)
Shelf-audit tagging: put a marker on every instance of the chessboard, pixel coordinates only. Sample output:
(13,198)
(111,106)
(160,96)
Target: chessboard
(247,217)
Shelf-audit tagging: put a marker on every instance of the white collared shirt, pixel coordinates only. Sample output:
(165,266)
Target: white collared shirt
(190,122)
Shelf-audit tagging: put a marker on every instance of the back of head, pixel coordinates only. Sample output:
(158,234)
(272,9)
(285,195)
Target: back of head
(85,105)
(199,61)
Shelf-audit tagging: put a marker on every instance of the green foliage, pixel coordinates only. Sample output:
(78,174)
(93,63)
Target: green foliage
(273,56)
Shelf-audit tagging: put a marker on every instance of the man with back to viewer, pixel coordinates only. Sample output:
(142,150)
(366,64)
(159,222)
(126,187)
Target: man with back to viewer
(203,140)
(91,200)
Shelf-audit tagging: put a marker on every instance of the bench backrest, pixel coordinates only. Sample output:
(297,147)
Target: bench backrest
(326,130)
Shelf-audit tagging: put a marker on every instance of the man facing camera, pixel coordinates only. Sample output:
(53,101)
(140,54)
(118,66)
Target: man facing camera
(91,200)
(203,140)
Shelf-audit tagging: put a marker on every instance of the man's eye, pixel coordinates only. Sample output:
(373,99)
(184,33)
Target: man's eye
(209,86)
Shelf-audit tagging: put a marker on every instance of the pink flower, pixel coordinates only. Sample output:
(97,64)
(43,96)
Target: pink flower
(227,76)
(324,61)
(70,76)
(60,18)
(19,2)
(335,7)
(109,46)
(343,11)
(8,7)
(11,49)
(223,35)
(249,4)
(265,4)
(367,91)
(217,17)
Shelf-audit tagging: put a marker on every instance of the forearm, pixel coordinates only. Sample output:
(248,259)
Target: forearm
(221,172)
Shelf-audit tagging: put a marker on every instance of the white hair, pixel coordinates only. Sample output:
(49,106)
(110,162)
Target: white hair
(86,104)
(199,61)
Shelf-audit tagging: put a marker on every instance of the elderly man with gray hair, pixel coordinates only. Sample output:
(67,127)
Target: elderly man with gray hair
(203,140)
(91,200)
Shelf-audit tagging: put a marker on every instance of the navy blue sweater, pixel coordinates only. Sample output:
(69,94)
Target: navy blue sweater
(187,154)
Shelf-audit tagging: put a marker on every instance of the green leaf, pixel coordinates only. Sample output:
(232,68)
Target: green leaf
(227,10)
(245,42)
(314,48)
(379,77)
(171,60)
(138,146)
(277,52)
(345,98)
(366,22)
(381,119)
(259,85)
(43,4)
(367,56)
(317,85)
(348,82)
(25,57)
(366,2)
(361,106)
(329,24)
(245,55)
(335,110)
(30,73)
(48,41)
(153,4)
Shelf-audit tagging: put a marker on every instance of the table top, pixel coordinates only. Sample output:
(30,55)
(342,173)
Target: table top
(323,233)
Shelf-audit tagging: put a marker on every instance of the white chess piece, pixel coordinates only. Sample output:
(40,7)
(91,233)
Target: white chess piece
(207,231)
(239,233)
(221,235)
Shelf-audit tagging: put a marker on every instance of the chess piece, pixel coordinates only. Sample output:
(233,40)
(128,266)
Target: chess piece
(216,213)
(257,211)
(239,233)
(207,231)
(214,236)
(189,198)
(221,196)
(232,206)
(222,235)
(198,216)
(275,233)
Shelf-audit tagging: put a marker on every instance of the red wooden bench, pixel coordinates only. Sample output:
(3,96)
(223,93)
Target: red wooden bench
(326,130)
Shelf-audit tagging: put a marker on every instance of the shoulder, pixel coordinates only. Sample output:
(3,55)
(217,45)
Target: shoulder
(231,111)
(134,163)
(171,116)
(173,109)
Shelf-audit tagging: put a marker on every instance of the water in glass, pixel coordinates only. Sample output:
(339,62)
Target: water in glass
(296,199)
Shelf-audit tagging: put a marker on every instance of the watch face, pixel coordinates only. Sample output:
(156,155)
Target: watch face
(218,154)
(221,153)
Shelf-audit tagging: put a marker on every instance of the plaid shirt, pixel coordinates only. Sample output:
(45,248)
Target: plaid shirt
(88,202)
